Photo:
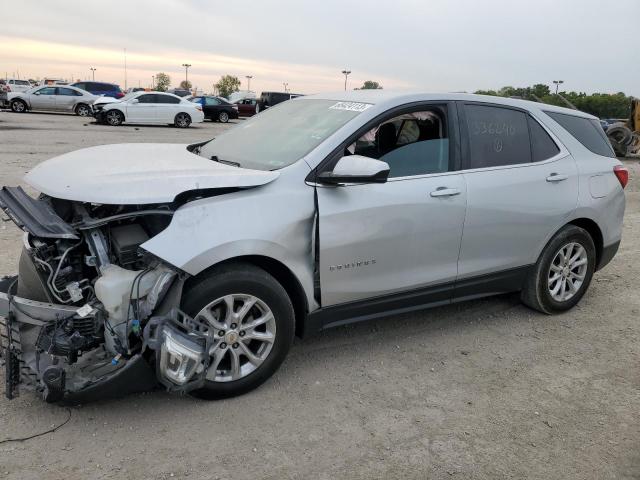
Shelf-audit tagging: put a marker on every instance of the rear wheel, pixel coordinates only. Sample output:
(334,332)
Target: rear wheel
(251,323)
(18,106)
(83,110)
(563,272)
(223,117)
(182,120)
(114,118)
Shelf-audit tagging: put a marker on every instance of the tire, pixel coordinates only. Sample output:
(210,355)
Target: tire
(18,106)
(205,300)
(182,120)
(538,292)
(223,117)
(114,118)
(83,110)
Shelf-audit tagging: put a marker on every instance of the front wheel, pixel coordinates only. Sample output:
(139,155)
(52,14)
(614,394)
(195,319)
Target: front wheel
(563,272)
(114,118)
(251,324)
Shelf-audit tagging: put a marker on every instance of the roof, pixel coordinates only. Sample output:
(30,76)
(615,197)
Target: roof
(392,98)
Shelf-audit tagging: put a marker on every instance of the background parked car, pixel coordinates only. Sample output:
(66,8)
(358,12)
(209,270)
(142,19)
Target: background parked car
(150,107)
(269,99)
(216,108)
(57,98)
(14,85)
(180,92)
(247,107)
(101,88)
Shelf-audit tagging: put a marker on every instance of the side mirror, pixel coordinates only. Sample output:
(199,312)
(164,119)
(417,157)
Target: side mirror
(134,100)
(356,169)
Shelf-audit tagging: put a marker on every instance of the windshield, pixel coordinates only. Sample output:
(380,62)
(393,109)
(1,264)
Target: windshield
(281,135)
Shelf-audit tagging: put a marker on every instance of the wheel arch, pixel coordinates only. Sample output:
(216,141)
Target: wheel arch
(281,273)
(594,231)
(23,100)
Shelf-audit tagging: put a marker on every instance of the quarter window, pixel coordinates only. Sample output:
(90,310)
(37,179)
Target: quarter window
(542,145)
(587,131)
(497,136)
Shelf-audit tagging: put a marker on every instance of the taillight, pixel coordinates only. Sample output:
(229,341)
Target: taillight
(119,95)
(622,173)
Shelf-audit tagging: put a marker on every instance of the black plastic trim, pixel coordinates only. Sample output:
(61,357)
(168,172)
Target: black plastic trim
(607,255)
(476,287)
(34,216)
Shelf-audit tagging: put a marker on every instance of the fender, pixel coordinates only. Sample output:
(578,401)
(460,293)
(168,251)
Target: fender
(247,222)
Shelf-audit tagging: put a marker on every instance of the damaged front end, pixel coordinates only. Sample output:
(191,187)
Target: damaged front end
(92,315)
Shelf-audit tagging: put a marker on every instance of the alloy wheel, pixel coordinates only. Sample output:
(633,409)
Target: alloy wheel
(223,117)
(183,120)
(243,331)
(113,118)
(18,106)
(567,271)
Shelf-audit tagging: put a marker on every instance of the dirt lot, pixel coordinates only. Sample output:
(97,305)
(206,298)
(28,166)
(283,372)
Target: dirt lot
(482,390)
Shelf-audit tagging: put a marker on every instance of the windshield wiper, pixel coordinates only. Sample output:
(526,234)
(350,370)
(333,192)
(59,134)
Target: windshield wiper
(226,162)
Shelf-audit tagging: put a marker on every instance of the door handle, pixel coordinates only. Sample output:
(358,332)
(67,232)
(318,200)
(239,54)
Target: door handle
(556,177)
(445,192)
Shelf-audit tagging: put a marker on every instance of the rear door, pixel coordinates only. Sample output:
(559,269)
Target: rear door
(65,99)
(167,109)
(522,186)
(43,99)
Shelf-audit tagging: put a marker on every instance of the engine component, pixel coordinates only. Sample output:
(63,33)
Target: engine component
(117,288)
(54,380)
(125,241)
(67,339)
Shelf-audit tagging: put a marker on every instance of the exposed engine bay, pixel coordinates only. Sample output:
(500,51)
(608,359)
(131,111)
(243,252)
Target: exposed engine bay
(91,314)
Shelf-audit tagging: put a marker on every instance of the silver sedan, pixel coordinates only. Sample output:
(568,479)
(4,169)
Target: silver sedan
(56,98)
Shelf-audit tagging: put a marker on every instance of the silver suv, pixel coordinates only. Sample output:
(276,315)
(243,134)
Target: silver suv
(195,266)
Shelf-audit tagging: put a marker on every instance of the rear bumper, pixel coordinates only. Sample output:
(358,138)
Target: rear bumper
(608,253)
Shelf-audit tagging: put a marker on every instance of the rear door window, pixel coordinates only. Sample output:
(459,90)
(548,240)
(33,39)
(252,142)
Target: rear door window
(497,136)
(68,92)
(211,101)
(542,145)
(167,99)
(587,131)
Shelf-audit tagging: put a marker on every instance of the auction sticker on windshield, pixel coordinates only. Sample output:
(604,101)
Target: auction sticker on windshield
(350,106)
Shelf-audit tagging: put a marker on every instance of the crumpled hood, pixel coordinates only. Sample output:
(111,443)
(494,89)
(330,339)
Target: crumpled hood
(136,173)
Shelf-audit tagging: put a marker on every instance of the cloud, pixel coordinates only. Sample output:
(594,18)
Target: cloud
(434,45)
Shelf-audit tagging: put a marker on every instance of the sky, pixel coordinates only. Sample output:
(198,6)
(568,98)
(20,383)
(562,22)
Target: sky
(426,45)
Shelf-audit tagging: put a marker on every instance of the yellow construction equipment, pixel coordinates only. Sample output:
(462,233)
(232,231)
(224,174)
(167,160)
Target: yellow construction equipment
(625,136)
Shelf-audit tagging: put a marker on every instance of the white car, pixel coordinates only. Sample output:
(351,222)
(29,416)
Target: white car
(14,85)
(148,107)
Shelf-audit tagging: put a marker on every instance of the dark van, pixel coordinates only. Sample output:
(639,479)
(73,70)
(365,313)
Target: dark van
(269,99)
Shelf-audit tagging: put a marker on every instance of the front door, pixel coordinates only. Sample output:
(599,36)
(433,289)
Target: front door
(403,235)
(144,111)
(44,99)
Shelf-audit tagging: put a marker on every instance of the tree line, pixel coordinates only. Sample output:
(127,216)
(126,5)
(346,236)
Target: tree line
(602,105)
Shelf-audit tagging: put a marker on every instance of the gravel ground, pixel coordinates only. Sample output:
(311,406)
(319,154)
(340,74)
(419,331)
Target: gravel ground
(483,390)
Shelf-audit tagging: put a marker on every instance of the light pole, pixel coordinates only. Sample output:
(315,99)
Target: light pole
(153,82)
(125,69)
(248,77)
(558,82)
(186,72)
(285,84)
(346,73)
(93,73)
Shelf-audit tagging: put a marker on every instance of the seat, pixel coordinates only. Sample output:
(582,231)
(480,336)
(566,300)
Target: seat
(386,138)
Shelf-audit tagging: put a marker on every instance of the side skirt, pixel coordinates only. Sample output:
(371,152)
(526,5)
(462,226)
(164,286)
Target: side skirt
(506,281)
